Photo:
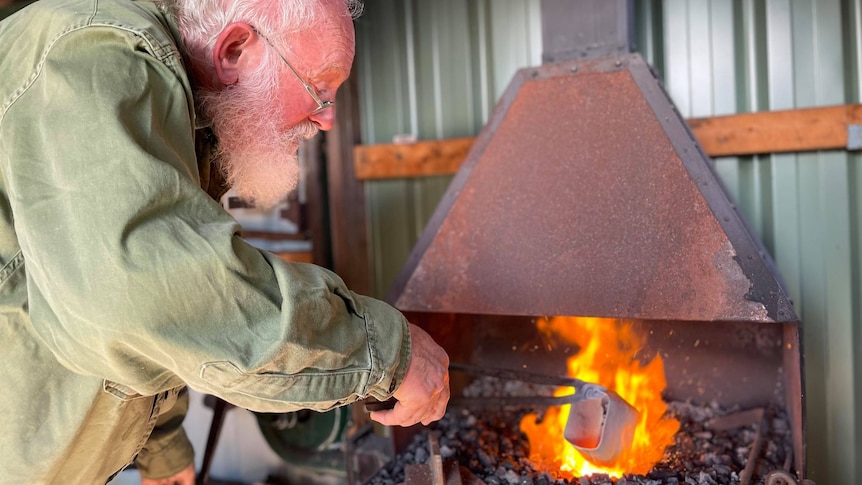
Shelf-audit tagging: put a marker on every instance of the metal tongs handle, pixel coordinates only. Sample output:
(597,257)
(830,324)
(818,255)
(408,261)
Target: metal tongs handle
(504,374)
(522,376)
(516,375)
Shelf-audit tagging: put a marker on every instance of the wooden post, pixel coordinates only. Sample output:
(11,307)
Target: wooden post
(347,194)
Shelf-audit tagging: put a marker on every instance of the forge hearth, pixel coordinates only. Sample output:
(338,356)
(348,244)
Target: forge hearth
(725,386)
(491,447)
(727,434)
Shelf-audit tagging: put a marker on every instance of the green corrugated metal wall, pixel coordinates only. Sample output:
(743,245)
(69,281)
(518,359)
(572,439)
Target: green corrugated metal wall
(725,57)
(435,70)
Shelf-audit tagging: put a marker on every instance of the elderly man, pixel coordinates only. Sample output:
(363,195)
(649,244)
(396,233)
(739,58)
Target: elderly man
(123,280)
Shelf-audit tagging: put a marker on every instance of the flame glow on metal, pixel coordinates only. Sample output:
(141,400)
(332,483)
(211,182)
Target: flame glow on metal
(607,356)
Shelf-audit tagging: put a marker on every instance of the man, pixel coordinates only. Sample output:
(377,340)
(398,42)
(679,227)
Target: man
(122,280)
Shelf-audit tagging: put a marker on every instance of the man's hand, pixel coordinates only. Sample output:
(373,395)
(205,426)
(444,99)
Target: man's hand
(424,393)
(185,477)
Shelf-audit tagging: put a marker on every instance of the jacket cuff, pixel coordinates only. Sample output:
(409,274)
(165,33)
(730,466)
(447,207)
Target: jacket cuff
(172,457)
(403,361)
(389,339)
(168,450)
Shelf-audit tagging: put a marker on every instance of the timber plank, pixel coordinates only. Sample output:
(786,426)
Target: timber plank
(798,130)
(433,157)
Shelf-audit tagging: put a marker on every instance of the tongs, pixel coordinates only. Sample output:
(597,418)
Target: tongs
(600,424)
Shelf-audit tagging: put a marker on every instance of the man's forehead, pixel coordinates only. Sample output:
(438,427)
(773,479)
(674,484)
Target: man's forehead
(330,47)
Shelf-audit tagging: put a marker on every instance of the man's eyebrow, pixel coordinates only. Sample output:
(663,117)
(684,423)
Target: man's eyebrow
(328,73)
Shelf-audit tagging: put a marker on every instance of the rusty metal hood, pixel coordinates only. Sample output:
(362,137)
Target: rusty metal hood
(586,194)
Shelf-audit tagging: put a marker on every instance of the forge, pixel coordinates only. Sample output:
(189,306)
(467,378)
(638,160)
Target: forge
(585,198)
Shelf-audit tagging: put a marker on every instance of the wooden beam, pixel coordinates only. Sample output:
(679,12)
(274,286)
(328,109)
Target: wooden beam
(798,130)
(434,157)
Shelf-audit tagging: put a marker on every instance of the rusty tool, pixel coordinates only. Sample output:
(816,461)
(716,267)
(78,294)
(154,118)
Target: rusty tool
(600,423)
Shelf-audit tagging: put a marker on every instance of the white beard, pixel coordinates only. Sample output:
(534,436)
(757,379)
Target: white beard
(257,157)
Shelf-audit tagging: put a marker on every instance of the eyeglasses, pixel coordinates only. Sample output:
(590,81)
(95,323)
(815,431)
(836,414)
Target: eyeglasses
(321,105)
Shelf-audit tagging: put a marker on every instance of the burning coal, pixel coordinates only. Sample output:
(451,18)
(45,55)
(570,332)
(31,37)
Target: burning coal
(608,356)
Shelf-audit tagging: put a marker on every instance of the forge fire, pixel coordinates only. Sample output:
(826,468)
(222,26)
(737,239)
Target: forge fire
(608,357)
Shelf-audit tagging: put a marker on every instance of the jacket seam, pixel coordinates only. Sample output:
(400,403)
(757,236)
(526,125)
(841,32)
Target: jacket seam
(226,364)
(95,11)
(11,267)
(258,397)
(159,52)
(374,366)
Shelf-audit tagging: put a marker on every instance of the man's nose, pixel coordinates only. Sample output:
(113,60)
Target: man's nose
(324,119)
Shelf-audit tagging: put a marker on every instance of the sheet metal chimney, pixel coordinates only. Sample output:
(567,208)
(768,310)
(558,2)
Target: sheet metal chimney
(580,29)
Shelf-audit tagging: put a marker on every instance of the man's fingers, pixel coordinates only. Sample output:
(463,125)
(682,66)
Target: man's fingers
(424,392)
(184,477)
(400,415)
(392,418)
(438,409)
(403,415)
(382,417)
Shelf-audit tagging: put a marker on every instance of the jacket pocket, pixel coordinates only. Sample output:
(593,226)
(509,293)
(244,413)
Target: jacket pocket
(121,392)
(229,376)
(314,389)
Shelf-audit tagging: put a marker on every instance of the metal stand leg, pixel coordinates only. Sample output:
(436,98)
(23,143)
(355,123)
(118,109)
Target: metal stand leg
(219,409)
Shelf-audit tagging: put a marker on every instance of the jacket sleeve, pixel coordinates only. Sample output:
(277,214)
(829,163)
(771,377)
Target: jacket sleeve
(137,276)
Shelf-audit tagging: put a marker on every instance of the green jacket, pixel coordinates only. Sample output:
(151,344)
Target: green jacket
(122,280)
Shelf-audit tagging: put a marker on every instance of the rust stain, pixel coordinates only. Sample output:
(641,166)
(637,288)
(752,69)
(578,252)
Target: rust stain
(580,205)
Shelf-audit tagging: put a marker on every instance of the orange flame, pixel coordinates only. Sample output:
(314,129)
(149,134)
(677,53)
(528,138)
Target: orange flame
(607,357)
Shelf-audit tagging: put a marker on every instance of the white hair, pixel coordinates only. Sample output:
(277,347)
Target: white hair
(201,21)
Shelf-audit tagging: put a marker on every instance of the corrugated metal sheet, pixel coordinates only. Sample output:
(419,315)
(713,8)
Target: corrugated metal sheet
(435,69)
(724,57)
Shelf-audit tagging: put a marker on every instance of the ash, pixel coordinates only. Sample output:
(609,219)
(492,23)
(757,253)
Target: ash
(706,452)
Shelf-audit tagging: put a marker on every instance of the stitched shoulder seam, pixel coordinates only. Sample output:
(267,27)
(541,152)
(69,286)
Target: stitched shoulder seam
(162,54)
(11,267)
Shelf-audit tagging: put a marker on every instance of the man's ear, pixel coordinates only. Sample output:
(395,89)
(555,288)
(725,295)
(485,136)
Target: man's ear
(236,48)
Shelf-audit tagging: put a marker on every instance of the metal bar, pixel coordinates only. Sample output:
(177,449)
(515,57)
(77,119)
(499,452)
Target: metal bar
(736,420)
(435,471)
(219,410)
(754,453)
(514,401)
(514,375)
(436,460)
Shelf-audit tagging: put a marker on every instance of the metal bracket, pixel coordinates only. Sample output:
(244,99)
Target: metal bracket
(854,137)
